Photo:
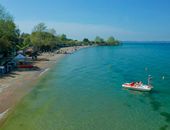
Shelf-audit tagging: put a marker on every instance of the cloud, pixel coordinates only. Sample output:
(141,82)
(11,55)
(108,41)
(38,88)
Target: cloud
(77,30)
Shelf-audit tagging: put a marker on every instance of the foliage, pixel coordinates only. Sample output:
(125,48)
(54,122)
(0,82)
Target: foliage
(4,15)
(42,38)
(99,41)
(63,37)
(22,46)
(4,46)
(8,32)
(86,40)
(25,38)
(41,27)
(112,41)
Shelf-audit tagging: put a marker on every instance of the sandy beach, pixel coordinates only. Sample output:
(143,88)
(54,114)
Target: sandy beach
(17,84)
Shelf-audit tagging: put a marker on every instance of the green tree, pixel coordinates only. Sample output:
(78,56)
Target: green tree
(86,40)
(4,15)
(41,27)
(99,40)
(112,41)
(63,37)
(37,40)
(25,38)
(24,41)
(22,46)
(43,38)
(5,45)
(37,36)
(8,32)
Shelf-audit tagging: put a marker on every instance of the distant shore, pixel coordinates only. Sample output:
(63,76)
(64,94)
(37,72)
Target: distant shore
(17,84)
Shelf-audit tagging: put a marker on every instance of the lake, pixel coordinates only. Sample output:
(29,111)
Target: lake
(83,91)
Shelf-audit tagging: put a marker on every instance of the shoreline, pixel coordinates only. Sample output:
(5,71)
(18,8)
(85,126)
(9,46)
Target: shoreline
(14,86)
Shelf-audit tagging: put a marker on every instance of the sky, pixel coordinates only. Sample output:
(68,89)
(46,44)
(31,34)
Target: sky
(127,20)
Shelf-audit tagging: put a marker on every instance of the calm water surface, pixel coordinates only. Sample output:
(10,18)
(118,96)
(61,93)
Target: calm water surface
(83,92)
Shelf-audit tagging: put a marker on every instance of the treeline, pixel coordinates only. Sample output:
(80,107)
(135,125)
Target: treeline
(42,38)
(9,33)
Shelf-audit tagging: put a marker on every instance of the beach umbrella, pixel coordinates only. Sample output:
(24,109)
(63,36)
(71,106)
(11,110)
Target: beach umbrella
(20,57)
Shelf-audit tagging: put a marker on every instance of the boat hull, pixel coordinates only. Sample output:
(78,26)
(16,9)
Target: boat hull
(144,88)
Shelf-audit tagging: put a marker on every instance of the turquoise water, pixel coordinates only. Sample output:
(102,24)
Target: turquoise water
(83,92)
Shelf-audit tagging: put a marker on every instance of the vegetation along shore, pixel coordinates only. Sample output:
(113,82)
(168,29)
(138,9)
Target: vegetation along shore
(24,57)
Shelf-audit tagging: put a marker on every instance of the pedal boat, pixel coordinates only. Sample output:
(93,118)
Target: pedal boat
(137,86)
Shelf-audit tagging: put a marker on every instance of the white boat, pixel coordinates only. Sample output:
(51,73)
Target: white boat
(139,86)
